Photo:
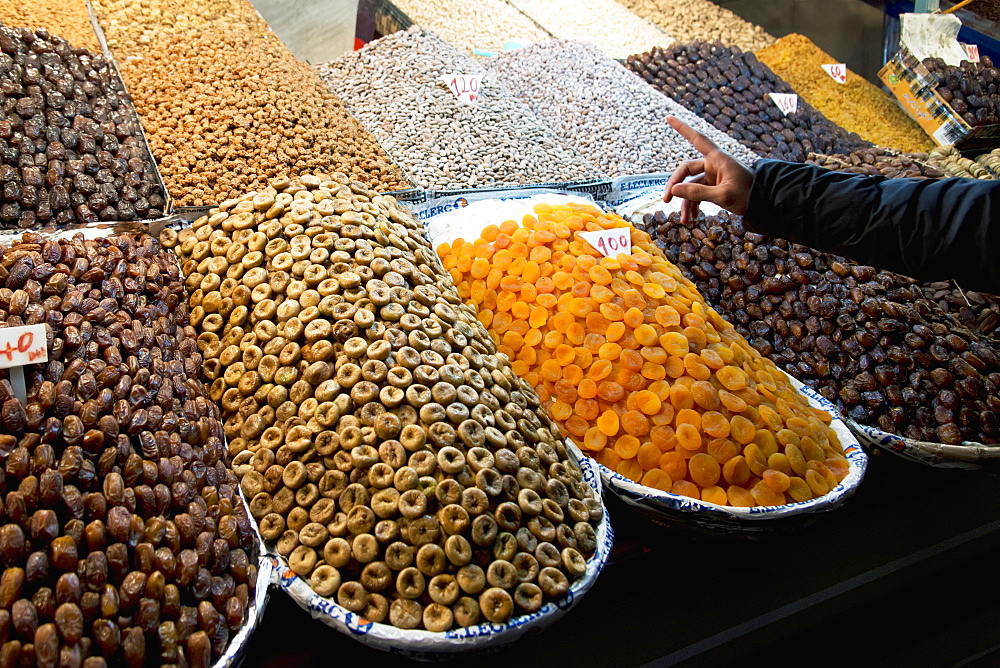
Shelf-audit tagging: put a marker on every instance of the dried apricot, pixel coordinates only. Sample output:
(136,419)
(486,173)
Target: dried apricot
(626,354)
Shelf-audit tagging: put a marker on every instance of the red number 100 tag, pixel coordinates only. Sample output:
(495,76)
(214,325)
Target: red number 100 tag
(610,242)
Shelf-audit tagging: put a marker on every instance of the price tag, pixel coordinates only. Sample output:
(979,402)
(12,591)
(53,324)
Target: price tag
(464,86)
(610,242)
(837,72)
(787,102)
(20,346)
(23,345)
(972,51)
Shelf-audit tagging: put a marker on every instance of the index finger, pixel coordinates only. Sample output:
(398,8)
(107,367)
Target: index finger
(698,140)
(684,170)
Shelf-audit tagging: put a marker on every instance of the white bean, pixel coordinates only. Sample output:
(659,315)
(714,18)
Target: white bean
(394,87)
(613,117)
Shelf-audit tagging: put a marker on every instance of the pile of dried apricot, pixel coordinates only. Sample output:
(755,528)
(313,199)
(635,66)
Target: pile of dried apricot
(634,365)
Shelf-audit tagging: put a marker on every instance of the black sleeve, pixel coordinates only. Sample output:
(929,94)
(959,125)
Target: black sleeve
(930,230)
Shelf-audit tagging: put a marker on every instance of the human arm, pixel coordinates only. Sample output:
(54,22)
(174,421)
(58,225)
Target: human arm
(927,229)
(718,177)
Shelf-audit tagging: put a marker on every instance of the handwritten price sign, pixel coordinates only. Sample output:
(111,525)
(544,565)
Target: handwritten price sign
(610,242)
(23,345)
(787,102)
(464,86)
(837,72)
(972,51)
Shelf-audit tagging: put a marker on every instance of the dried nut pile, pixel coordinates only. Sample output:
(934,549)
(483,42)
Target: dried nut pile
(71,149)
(602,110)
(606,24)
(687,20)
(867,340)
(729,88)
(644,376)
(877,161)
(124,540)
(856,105)
(390,455)
(395,87)
(67,18)
(129,24)
(949,161)
(970,89)
(473,24)
(225,110)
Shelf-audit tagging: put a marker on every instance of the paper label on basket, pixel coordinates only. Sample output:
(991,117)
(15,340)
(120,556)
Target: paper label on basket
(464,86)
(973,52)
(610,242)
(787,102)
(837,72)
(23,345)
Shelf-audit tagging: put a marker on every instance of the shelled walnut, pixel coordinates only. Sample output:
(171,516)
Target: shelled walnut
(66,18)
(227,106)
(391,456)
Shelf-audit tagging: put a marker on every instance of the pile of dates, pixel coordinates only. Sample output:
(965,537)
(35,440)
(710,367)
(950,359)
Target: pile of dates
(878,161)
(869,341)
(71,148)
(969,88)
(390,455)
(979,312)
(123,537)
(730,89)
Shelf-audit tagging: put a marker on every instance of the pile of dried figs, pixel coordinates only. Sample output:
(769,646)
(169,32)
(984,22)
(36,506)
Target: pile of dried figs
(390,455)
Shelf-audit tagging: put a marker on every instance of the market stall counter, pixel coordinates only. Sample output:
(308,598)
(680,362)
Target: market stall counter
(900,574)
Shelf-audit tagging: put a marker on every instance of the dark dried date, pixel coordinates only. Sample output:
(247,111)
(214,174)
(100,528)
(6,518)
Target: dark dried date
(870,341)
(111,449)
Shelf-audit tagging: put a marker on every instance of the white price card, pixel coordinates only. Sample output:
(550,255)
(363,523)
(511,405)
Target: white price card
(465,86)
(837,72)
(972,51)
(23,345)
(610,242)
(787,102)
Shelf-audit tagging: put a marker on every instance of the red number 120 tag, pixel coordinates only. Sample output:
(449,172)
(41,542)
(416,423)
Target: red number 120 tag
(464,86)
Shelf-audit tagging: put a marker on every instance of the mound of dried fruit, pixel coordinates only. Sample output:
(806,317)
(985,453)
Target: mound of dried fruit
(731,89)
(644,375)
(869,341)
(390,455)
(970,89)
(879,162)
(71,149)
(123,537)
(855,105)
